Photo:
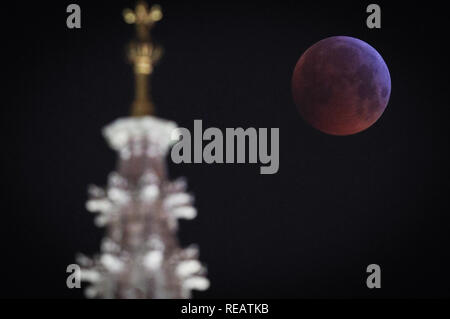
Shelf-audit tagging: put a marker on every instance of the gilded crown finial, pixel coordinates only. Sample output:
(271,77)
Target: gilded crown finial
(142,53)
(143,18)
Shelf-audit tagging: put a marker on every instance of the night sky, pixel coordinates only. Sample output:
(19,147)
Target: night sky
(336,205)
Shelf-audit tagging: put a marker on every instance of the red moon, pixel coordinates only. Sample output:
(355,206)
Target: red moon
(341,85)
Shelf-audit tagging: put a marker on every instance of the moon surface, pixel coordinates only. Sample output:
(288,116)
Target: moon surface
(341,85)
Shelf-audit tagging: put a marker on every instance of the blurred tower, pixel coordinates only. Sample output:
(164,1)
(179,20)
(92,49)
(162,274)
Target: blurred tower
(140,254)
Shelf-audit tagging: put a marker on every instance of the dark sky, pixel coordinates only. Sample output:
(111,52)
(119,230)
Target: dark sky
(336,205)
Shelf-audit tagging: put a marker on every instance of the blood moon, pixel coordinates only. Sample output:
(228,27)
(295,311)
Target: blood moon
(341,85)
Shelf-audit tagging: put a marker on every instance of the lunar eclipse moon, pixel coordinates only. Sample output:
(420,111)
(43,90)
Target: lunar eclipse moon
(341,85)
